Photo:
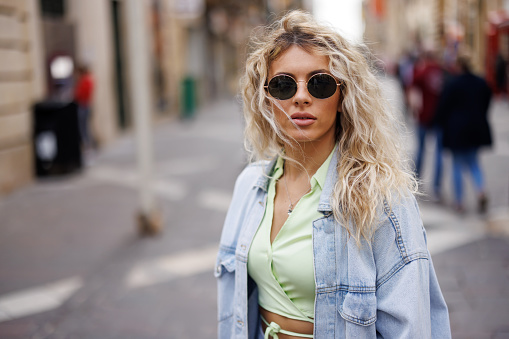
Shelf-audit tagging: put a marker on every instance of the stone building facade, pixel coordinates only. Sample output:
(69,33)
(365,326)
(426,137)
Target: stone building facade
(21,83)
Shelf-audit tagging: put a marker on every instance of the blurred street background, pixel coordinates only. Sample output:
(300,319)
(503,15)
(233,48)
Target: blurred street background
(121,138)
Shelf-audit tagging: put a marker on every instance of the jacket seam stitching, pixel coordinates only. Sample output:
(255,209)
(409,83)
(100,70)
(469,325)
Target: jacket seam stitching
(395,223)
(358,320)
(399,266)
(385,278)
(345,288)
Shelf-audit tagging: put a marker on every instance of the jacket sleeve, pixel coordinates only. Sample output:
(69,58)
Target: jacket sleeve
(410,304)
(409,301)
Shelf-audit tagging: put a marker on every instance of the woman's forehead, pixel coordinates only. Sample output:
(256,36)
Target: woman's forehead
(296,59)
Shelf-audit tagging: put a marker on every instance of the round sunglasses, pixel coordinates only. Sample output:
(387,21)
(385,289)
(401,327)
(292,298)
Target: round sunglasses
(320,85)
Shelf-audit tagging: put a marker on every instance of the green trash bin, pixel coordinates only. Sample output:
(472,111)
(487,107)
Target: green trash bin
(188,100)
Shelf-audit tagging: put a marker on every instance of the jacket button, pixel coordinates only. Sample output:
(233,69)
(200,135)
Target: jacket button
(243,247)
(240,322)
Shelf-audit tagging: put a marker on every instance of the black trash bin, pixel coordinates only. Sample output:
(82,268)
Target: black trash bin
(56,138)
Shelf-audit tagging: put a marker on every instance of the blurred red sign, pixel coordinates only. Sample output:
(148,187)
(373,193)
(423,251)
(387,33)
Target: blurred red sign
(378,8)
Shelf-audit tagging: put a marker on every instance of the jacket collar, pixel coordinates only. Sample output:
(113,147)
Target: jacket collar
(264,179)
(324,205)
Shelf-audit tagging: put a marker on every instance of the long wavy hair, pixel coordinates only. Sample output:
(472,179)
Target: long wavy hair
(372,164)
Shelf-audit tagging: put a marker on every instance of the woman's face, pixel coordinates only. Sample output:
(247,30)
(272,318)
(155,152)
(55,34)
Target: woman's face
(307,119)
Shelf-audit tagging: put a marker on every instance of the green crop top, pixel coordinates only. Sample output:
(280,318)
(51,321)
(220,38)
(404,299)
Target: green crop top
(284,271)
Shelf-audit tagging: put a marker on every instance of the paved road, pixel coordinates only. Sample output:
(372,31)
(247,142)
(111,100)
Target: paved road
(73,266)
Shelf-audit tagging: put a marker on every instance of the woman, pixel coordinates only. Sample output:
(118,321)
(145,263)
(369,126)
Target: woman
(325,239)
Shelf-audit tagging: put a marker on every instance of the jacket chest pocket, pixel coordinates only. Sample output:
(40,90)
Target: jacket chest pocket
(357,307)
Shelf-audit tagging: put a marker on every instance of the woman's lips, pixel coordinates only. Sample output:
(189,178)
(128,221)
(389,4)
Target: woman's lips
(303,119)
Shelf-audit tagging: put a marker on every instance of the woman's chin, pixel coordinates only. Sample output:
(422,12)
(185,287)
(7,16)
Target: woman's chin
(299,138)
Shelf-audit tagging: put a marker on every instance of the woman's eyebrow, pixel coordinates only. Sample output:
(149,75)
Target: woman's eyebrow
(323,70)
(284,73)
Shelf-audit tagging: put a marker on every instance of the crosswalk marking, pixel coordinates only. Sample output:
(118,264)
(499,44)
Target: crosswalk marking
(167,188)
(442,240)
(215,200)
(168,268)
(38,299)
(188,165)
(171,189)
(445,233)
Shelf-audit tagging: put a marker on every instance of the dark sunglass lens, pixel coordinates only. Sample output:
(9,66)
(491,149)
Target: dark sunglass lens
(322,86)
(282,87)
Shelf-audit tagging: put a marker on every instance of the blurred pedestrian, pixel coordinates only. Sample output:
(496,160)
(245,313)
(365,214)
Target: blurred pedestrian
(324,239)
(83,93)
(501,75)
(428,79)
(462,113)
(405,72)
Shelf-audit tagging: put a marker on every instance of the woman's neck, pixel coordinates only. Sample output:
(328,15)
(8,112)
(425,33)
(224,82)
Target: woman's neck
(309,157)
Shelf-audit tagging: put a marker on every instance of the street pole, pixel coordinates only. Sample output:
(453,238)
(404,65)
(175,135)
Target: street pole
(148,217)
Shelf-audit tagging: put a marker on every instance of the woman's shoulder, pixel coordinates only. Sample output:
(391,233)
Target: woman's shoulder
(401,224)
(255,169)
(244,197)
(402,205)
(400,237)
(253,174)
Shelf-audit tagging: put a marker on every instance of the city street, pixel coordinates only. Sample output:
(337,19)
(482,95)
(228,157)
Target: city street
(73,266)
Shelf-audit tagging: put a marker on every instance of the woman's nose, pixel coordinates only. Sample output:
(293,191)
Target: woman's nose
(302,95)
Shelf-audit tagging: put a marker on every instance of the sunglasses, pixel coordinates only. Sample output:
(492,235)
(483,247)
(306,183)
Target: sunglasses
(320,85)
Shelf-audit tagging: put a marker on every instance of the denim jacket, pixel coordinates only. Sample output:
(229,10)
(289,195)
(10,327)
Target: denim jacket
(385,289)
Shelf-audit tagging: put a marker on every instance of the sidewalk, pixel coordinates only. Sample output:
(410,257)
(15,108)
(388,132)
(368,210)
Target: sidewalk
(73,266)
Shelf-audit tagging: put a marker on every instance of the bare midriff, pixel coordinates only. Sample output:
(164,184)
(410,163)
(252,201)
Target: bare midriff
(293,325)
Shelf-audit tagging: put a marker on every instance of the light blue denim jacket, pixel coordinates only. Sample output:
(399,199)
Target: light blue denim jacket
(386,289)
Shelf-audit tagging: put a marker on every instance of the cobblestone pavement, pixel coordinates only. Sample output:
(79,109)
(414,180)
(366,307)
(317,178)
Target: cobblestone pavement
(73,266)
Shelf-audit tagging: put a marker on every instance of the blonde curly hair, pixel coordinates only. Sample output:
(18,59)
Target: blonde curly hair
(372,165)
